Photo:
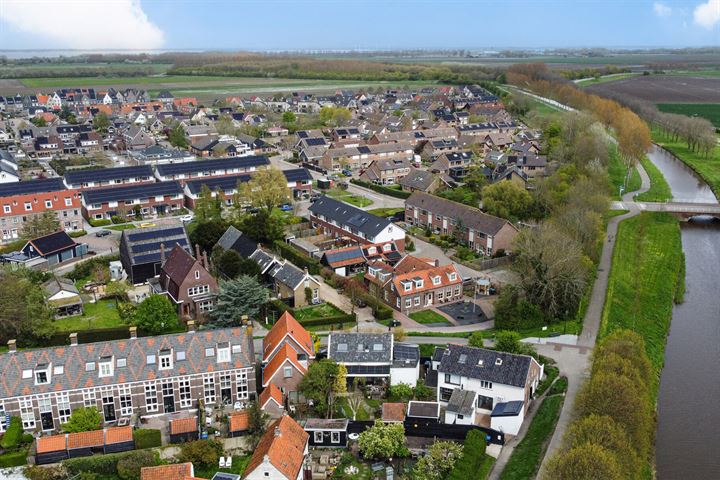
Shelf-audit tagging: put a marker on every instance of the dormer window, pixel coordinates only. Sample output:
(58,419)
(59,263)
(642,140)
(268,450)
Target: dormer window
(372,251)
(418,283)
(166,361)
(452,276)
(42,374)
(342,347)
(436,280)
(407,286)
(387,247)
(498,361)
(223,353)
(105,367)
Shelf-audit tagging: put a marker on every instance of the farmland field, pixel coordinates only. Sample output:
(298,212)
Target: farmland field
(711,111)
(664,88)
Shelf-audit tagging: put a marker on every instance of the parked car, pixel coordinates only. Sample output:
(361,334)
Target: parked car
(102,233)
(186,218)
(347,173)
(395,323)
(286,207)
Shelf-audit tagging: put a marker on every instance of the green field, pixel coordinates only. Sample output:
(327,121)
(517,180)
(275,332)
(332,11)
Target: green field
(91,81)
(659,188)
(707,167)
(710,111)
(646,264)
(607,78)
(617,173)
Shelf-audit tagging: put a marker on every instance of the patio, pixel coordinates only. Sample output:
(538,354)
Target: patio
(463,312)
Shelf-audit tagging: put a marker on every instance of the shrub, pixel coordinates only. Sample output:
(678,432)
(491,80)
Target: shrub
(56,472)
(473,456)
(77,233)
(27,438)
(559,387)
(512,312)
(298,258)
(551,374)
(201,453)
(128,467)
(13,435)
(99,223)
(100,464)
(85,269)
(147,438)
(13,459)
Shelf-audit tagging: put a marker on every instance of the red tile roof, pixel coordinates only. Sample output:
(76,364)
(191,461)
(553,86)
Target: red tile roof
(53,443)
(239,421)
(93,438)
(118,435)
(178,471)
(427,276)
(183,425)
(284,444)
(285,354)
(271,392)
(287,325)
(393,412)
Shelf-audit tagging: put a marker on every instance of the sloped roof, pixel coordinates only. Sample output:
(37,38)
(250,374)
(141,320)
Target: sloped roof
(285,354)
(93,438)
(284,444)
(118,435)
(239,421)
(344,214)
(183,425)
(234,239)
(287,326)
(461,401)
(52,243)
(177,471)
(52,443)
(353,347)
(483,364)
(271,392)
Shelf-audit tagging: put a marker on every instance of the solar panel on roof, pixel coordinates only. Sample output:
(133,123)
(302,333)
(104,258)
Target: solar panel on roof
(31,186)
(146,235)
(363,149)
(152,257)
(149,247)
(344,255)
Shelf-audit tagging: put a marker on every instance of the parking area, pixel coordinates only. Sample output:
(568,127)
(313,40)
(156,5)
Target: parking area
(464,313)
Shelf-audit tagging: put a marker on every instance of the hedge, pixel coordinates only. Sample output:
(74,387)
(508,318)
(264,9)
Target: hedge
(99,223)
(147,438)
(77,233)
(298,258)
(13,459)
(13,436)
(100,464)
(391,192)
(280,307)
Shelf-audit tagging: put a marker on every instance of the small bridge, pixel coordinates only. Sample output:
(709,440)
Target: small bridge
(683,210)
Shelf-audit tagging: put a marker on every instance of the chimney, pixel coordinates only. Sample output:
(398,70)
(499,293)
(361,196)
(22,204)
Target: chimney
(205,260)
(12,345)
(73,339)
(162,254)
(197,252)
(191,326)
(244,320)
(259,246)
(133,332)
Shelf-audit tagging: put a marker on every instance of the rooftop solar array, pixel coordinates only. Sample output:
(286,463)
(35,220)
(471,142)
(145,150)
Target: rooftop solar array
(132,192)
(154,233)
(210,165)
(31,186)
(105,174)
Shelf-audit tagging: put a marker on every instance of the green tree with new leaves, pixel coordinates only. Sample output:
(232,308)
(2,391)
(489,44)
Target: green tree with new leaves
(266,189)
(177,137)
(156,314)
(101,122)
(383,440)
(83,419)
(438,462)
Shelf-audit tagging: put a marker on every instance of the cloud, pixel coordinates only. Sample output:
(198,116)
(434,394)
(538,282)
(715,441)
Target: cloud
(707,14)
(82,24)
(662,10)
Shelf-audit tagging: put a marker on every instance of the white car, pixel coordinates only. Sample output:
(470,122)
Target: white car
(186,218)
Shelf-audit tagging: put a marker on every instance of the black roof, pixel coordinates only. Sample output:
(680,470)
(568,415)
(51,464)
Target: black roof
(354,347)
(142,245)
(209,165)
(490,365)
(423,409)
(461,401)
(405,355)
(105,174)
(297,175)
(132,192)
(228,182)
(31,186)
(235,239)
(345,214)
(507,409)
(53,242)
(314,142)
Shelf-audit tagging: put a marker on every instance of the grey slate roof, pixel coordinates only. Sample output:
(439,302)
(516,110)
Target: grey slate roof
(423,409)
(263,259)
(57,284)
(235,239)
(136,351)
(326,424)
(462,402)
(418,179)
(344,214)
(288,274)
(360,347)
(483,364)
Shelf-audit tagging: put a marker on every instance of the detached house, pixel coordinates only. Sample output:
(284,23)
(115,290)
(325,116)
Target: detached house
(288,281)
(484,233)
(280,454)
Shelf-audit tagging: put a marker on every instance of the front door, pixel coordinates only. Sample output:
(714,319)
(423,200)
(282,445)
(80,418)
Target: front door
(428,299)
(169,404)
(109,409)
(47,421)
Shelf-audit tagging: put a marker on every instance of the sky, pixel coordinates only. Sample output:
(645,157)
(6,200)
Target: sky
(336,24)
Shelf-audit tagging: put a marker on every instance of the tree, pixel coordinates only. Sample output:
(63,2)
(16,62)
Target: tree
(438,462)
(24,312)
(83,419)
(129,466)
(201,453)
(383,441)
(206,206)
(240,296)
(423,392)
(584,462)
(506,200)
(288,117)
(266,189)
(508,341)
(41,224)
(231,264)
(207,233)
(333,116)
(473,456)
(117,290)
(262,227)
(257,419)
(101,122)
(340,381)
(155,314)
(38,121)
(476,339)
(176,136)
(317,384)
(402,392)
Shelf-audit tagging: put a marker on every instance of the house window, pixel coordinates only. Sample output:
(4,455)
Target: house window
(41,377)
(417,301)
(484,403)
(63,406)
(408,302)
(150,359)
(318,436)
(440,295)
(89,398)
(165,360)
(334,437)
(452,379)
(223,355)
(453,276)
(397,302)
(68,202)
(242,384)
(485,384)
(436,280)
(125,401)
(445,394)
(108,401)
(198,290)
(210,352)
(185,396)
(3,426)
(151,400)
(197,274)
(46,417)
(106,369)
(48,203)
(287,372)
(206,306)
(27,414)
(209,388)
(28,206)
(6,208)
(226,388)
(121,362)
(457,291)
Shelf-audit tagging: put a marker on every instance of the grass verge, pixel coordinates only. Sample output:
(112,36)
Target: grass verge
(386,212)
(428,317)
(643,281)
(351,198)
(659,189)
(617,171)
(527,456)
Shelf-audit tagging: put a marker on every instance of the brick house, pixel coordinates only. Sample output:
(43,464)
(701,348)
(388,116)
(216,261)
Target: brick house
(387,172)
(211,168)
(288,281)
(414,284)
(21,200)
(146,376)
(149,199)
(109,177)
(355,158)
(483,233)
(187,282)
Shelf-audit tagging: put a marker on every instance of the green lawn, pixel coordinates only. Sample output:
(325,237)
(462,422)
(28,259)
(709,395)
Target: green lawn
(317,311)
(122,226)
(239,465)
(428,317)
(643,280)
(527,456)
(659,188)
(707,167)
(102,314)
(386,212)
(351,198)
(617,171)
(711,111)
(585,82)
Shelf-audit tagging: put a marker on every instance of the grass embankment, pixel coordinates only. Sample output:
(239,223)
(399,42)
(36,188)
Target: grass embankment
(659,188)
(386,211)
(585,82)
(525,460)
(617,171)
(710,111)
(646,267)
(707,167)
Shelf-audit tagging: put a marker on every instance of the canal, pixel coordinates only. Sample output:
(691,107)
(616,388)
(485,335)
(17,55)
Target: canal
(688,434)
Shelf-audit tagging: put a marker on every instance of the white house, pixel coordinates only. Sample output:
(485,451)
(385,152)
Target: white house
(281,452)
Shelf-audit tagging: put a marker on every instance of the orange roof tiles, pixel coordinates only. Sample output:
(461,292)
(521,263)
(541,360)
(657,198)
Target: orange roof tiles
(393,412)
(284,354)
(271,392)
(240,421)
(427,277)
(178,471)
(93,438)
(118,435)
(284,444)
(53,443)
(287,325)
(183,425)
